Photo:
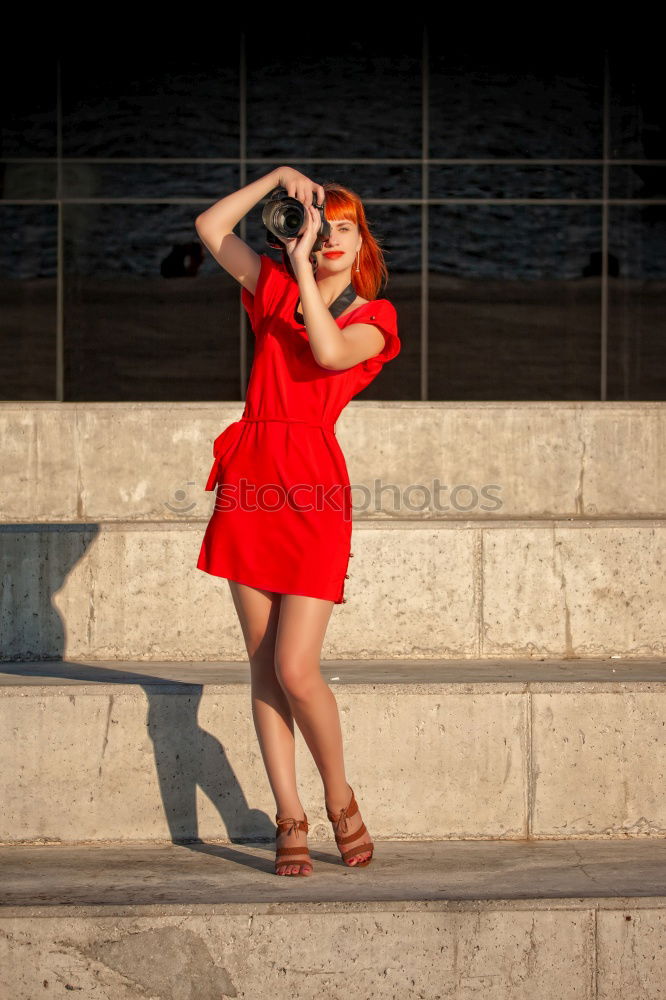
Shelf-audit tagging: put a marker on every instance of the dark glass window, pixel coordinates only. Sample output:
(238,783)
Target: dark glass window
(515,302)
(637,302)
(515,100)
(353,98)
(498,179)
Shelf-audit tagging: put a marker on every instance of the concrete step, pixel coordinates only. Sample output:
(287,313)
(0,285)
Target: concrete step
(416,589)
(437,750)
(581,919)
(99,462)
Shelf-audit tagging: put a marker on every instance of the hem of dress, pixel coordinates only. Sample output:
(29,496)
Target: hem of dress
(261,586)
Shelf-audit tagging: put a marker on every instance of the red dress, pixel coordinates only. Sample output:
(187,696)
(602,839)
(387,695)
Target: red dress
(282,519)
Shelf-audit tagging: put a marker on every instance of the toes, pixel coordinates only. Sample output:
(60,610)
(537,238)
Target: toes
(305,869)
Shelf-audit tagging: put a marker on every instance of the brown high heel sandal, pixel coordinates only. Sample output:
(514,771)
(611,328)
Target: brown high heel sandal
(285,855)
(340,826)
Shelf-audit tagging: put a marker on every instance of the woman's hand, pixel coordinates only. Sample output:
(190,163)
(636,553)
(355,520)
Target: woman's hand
(299,186)
(299,248)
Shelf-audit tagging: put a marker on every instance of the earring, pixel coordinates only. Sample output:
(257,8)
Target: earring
(358,254)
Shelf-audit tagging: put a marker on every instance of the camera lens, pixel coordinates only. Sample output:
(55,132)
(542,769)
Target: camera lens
(292,219)
(287,218)
(283,217)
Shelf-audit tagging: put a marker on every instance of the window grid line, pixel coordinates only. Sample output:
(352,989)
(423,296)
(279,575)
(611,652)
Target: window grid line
(366,201)
(60,245)
(605,179)
(413,161)
(242,168)
(425,215)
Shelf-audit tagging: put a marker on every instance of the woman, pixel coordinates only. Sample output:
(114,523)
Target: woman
(281,529)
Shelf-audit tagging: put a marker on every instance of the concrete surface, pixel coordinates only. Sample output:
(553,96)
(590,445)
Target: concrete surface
(202,922)
(214,874)
(149,461)
(491,529)
(132,752)
(416,589)
(499,668)
(607,670)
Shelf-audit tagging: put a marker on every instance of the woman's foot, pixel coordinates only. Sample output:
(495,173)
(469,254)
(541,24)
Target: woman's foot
(351,834)
(291,847)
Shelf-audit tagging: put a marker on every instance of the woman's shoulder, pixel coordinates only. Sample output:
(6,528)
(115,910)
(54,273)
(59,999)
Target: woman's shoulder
(275,264)
(383,307)
(272,288)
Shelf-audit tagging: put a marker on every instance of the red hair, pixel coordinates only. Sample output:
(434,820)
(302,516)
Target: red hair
(341,203)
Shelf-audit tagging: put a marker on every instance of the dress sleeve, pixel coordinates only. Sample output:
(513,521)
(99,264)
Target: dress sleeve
(271,283)
(383,315)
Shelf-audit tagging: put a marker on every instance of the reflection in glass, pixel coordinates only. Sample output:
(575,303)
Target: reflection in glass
(148,180)
(638,180)
(637,303)
(29,120)
(515,100)
(145,105)
(515,291)
(514,302)
(512,180)
(369,181)
(28,289)
(149,315)
(350,97)
(636,92)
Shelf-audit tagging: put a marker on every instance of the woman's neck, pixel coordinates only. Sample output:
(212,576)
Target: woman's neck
(332,286)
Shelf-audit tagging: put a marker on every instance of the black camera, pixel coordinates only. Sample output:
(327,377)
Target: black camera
(284,216)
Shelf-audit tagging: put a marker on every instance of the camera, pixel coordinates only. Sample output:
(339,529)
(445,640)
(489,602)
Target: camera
(284,216)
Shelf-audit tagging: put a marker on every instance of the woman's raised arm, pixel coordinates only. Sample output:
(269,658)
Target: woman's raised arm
(215,225)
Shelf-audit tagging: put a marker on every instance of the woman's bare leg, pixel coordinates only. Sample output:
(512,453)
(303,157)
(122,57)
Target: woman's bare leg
(258,612)
(300,635)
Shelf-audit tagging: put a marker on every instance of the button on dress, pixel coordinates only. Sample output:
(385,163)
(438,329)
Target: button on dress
(282,519)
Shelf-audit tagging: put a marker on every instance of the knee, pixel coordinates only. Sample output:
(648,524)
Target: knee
(260,645)
(296,678)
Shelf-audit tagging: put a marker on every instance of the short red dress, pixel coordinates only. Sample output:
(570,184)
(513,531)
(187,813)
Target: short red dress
(282,519)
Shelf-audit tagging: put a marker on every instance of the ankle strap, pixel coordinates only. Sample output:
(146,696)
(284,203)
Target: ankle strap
(340,820)
(291,824)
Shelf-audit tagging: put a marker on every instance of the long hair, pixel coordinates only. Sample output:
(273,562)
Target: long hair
(341,203)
